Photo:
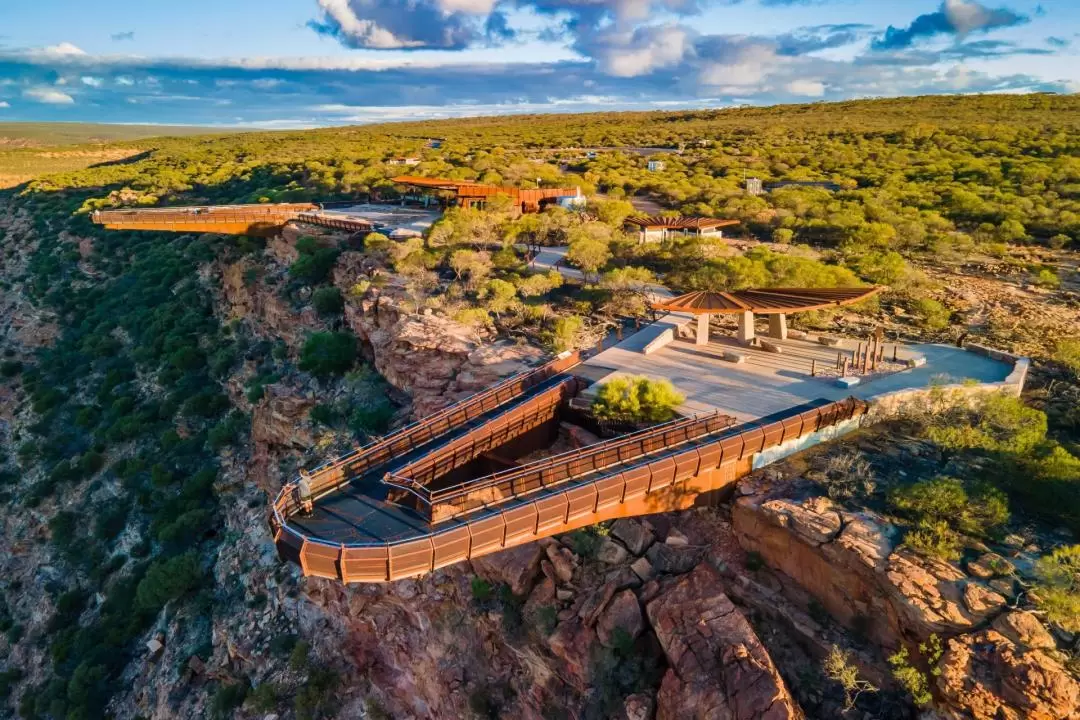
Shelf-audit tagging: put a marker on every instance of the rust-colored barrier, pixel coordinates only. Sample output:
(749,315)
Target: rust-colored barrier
(514,422)
(228,219)
(665,482)
(332,475)
(500,487)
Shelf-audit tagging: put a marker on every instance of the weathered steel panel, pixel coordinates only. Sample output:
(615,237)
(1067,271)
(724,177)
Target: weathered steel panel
(411,558)
(288,545)
(551,512)
(609,491)
(581,501)
(811,422)
(451,546)
(366,564)
(637,482)
(710,456)
(686,464)
(555,474)
(773,434)
(663,473)
(321,560)
(792,428)
(527,482)
(487,534)
(520,521)
(753,442)
(732,447)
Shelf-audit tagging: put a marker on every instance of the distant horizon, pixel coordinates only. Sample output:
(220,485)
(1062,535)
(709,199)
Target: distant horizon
(555,110)
(295,64)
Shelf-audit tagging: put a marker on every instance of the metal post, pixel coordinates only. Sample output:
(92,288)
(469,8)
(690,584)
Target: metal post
(813,368)
(894,352)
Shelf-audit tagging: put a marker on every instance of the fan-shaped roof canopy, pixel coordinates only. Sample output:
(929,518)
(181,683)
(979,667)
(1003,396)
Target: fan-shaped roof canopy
(679,223)
(767,301)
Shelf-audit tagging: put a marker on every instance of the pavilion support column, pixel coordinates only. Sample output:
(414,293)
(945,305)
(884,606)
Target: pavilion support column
(778,326)
(745,334)
(702,329)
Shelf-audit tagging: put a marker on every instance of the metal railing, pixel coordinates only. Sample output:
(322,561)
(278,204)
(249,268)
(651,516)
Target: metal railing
(507,425)
(334,473)
(496,488)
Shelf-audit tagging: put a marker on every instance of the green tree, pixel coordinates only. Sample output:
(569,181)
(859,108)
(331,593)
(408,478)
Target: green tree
(1059,586)
(328,301)
(328,353)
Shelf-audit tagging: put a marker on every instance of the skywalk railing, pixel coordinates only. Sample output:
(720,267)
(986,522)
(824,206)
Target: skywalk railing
(579,503)
(500,487)
(333,474)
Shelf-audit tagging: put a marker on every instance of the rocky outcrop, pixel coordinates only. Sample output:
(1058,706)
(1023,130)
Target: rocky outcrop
(718,667)
(997,663)
(433,358)
(853,564)
(986,676)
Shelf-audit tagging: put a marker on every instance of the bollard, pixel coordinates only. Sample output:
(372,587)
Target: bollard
(813,368)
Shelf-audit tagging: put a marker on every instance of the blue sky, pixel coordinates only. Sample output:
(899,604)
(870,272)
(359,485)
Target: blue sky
(303,63)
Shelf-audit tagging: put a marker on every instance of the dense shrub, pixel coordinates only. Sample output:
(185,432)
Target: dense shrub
(328,301)
(1059,586)
(328,353)
(638,399)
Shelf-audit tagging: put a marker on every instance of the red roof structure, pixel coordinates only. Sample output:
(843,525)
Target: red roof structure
(469,193)
(766,301)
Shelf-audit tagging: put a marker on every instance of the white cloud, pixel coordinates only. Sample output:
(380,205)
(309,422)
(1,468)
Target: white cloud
(4,104)
(48,96)
(807,88)
(93,82)
(64,48)
(630,54)
(367,33)
(473,7)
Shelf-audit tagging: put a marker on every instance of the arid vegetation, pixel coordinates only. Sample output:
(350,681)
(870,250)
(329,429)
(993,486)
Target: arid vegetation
(128,385)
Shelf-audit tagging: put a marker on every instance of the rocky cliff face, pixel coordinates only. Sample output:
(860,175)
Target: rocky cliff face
(852,564)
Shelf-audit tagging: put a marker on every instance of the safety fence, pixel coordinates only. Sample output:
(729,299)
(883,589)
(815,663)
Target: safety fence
(338,221)
(500,487)
(627,489)
(209,214)
(332,475)
(537,410)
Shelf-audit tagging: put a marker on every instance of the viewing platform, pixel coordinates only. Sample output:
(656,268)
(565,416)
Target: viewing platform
(451,486)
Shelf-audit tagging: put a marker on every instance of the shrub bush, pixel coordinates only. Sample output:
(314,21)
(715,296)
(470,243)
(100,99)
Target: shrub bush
(328,353)
(328,301)
(637,399)
(1059,586)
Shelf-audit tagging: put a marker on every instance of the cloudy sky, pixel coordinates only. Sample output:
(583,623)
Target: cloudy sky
(302,63)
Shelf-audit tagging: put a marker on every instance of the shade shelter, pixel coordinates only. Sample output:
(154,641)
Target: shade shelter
(774,302)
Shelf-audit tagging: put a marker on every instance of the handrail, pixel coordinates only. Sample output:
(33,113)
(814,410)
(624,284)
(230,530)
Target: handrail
(559,363)
(482,483)
(852,405)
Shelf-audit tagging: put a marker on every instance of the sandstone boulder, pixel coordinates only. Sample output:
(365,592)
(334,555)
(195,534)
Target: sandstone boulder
(718,667)
(1024,628)
(611,552)
(985,676)
(516,567)
(672,559)
(622,613)
(636,537)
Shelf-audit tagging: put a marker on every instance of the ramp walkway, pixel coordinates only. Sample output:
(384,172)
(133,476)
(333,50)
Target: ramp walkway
(263,219)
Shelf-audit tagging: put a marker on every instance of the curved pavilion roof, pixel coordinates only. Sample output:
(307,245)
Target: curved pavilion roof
(767,301)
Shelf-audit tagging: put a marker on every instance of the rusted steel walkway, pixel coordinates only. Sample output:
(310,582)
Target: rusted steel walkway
(387,511)
(265,219)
